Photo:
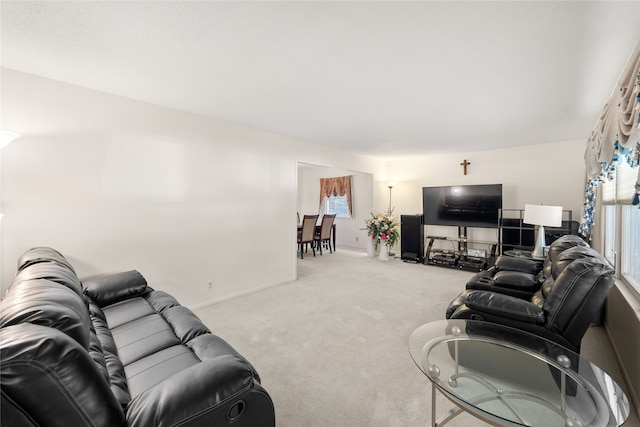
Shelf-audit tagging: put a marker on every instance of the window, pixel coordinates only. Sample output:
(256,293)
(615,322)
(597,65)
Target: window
(630,251)
(621,244)
(335,196)
(338,205)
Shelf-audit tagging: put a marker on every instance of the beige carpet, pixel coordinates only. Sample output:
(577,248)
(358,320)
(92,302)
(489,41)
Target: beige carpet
(331,347)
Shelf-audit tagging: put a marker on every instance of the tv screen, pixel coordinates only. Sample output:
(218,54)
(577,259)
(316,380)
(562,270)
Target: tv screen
(462,205)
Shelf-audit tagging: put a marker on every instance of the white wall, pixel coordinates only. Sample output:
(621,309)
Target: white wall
(551,173)
(349,231)
(118,184)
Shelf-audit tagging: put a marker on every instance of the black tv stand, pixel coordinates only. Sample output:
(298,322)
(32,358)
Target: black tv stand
(463,257)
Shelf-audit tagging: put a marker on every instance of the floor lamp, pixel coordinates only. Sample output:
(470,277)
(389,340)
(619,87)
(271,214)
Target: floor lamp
(541,216)
(390,184)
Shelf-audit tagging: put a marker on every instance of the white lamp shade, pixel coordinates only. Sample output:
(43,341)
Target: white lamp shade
(550,216)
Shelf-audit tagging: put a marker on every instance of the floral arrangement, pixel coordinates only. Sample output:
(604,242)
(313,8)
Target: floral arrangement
(382,228)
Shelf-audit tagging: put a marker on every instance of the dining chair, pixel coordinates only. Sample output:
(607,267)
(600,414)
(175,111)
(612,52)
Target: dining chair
(323,232)
(307,232)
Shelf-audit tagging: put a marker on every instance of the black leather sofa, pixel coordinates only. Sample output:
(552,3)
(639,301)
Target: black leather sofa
(110,351)
(562,296)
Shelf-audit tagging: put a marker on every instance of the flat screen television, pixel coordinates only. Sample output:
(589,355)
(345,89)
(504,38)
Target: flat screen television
(462,205)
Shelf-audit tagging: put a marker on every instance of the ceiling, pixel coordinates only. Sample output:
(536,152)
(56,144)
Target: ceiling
(385,78)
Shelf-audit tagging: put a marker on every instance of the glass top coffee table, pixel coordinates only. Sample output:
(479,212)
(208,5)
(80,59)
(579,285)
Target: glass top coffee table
(508,377)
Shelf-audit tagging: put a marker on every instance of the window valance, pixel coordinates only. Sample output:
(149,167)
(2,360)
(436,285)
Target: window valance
(615,138)
(338,186)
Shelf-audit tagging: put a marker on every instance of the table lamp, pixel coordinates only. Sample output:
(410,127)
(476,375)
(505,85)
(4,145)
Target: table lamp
(541,216)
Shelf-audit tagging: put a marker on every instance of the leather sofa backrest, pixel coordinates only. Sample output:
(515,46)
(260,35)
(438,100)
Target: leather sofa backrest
(563,243)
(555,250)
(562,261)
(52,271)
(47,303)
(568,256)
(42,254)
(578,292)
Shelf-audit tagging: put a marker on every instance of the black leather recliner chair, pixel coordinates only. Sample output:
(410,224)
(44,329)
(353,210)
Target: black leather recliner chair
(521,277)
(574,286)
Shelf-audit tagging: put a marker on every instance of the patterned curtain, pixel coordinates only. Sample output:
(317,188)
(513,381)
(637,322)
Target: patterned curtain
(615,138)
(338,186)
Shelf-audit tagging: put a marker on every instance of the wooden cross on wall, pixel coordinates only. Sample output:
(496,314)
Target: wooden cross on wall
(464,165)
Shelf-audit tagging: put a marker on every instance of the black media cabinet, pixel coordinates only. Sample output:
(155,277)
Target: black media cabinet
(464,256)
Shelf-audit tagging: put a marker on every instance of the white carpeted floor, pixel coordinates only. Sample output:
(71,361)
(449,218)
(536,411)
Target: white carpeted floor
(331,347)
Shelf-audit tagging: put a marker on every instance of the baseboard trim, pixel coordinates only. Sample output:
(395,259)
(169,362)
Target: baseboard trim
(236,295)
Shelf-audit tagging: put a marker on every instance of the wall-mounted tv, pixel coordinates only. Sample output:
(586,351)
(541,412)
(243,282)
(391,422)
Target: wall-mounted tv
(462,205)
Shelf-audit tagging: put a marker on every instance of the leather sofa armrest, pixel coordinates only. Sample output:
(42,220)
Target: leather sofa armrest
(110,288)
(197,395)
(456,303)
(516,280)
(523,265)
(505,306)
(482,279)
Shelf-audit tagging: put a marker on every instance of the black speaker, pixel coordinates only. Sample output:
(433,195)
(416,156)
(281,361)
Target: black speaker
(411,238)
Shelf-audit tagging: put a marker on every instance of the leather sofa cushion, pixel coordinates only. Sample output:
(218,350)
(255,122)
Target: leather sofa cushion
(151,370)
(516,264)
(194,393)
(109,288)
(35,357)
(126,311)
(42,254)
(142,337)
(49,304)
(516,280)
(515,283)
(505,306)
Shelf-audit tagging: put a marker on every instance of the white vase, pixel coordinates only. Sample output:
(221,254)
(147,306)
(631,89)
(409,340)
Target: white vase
(384,252)
(371,250)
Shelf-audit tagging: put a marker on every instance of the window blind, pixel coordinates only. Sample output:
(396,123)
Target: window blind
(621,188)
(626,177)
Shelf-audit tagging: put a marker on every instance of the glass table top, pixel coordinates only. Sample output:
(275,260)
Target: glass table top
(513,378)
